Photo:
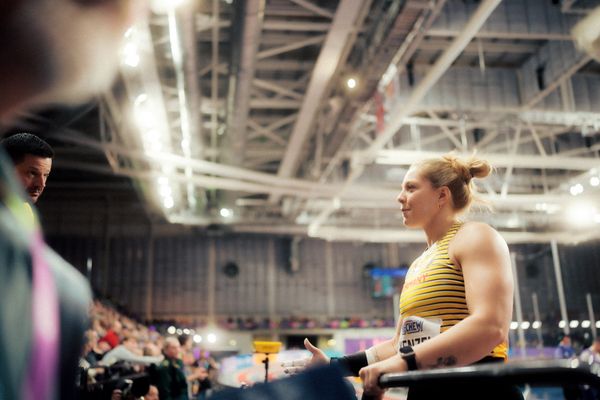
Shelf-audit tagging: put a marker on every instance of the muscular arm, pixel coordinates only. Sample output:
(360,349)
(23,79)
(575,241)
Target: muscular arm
(484,258)
(389,348)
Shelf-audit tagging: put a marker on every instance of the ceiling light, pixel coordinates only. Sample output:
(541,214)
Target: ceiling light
(573,324)
(164,6)
(581,214)
(168,202)
(525,325)
(576,189)
(562,324)
(171,330)
(351,83)
(536,324)
(197,339)
(514,325)
(165,191)
(226,212)
(211,338)
(597,324)
(594,181)
(179,332)
(585,324)
(186,331)
(130,56)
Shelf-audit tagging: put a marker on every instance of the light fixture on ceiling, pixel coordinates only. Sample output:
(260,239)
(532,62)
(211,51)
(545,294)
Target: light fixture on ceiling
(586,323)
(226,212)
(168,202)
(351,83)
(594,181)
(576,189)
(197,339)
(211,338)
(164,6)
(581,214)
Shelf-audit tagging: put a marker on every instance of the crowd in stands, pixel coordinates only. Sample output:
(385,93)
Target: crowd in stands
(293,322)
(118,348)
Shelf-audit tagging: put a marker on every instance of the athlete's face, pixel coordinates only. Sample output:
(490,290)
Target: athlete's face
(419,200)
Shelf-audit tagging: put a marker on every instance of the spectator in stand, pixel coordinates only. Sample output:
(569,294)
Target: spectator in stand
(152,393)
(591,356)
(170,380)
(112,334)
(128,351)
(565,349)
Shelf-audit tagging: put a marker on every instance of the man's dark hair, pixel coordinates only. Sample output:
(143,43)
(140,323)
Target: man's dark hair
(19,145)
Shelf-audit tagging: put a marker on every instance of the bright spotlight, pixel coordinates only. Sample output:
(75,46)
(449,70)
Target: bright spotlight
(585,324)
(576,189)
(536,324)
(164,6)
(514,325)
(573,324)
(168,202)
(598,324)
(211,338)
(351,83)
(171,330)
(562,323)
(594,181)
(525,325)
(197,339)
(165,191)
(226,212)
(580,214)
(186,331)
(179,331)
(130,56)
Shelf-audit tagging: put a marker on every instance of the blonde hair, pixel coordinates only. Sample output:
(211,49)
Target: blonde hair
(457,175)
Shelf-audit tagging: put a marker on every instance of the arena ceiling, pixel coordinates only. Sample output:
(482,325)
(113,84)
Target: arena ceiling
(237,115)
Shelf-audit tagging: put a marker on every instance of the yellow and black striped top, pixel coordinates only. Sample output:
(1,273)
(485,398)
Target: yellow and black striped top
(435,288)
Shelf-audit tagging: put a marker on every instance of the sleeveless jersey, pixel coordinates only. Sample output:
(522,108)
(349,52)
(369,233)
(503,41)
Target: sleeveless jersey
(433,295)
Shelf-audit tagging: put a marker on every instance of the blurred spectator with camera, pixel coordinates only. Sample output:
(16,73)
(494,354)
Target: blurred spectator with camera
(170,377)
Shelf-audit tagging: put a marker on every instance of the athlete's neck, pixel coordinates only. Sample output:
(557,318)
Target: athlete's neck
(438,227)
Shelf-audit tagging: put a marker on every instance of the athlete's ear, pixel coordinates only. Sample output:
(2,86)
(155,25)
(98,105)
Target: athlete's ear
(444,196)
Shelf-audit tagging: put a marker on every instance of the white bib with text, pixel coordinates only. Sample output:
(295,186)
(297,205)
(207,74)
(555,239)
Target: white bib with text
(417,330)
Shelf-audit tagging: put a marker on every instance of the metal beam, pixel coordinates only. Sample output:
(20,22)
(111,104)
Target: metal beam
(503,35)
(488,47)
(274,87)
(408,157)
(239,103)
(314,8)
(284,25)
(290,47)
(404,109)
(329,59)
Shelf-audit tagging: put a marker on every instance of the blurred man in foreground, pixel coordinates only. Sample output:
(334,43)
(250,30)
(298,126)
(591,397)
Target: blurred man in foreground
(52,51)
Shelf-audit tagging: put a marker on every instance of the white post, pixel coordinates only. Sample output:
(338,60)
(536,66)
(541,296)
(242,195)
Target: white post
(590,307)
(518,307)
(559,287)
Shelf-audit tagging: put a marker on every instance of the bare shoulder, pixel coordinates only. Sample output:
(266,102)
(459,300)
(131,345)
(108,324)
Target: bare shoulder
(477,237)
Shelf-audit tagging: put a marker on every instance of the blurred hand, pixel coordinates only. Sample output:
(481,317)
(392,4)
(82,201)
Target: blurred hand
(370,379)
(296,366)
